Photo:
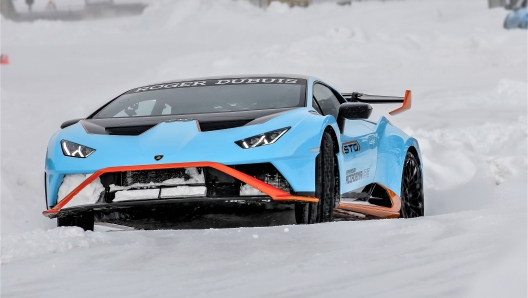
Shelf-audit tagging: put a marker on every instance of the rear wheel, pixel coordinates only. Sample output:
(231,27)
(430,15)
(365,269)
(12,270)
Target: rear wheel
(325,187)
(84,221)
(412,195)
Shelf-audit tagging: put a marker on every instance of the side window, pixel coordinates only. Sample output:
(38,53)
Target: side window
(316,106)
(326,99)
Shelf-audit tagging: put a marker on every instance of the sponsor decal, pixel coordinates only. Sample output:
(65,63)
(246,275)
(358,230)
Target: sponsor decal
(352,175)
(352,146)
(158,157)
(219,82)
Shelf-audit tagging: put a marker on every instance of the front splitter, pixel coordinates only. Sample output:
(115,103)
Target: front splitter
(158,203)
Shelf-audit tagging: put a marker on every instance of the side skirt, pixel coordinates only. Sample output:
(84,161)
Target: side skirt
(375,200)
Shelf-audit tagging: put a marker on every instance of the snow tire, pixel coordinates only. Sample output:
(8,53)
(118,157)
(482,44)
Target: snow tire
(325,187)
(412,194)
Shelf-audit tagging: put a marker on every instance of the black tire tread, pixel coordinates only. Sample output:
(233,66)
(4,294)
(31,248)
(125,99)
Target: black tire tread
(325,189)
(412,194)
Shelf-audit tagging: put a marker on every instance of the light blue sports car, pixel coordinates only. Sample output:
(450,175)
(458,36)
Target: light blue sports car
(236,140)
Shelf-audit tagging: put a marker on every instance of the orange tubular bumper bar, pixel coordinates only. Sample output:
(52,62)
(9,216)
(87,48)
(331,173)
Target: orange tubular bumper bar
(275,193)
(378,211)
(405,106)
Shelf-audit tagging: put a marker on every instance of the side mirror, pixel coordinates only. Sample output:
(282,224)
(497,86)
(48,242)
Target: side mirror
(70,122)
(355,110)
(351,111)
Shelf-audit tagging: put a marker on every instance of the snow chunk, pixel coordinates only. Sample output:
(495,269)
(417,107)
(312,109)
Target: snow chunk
(248,190)
(150,194)
(89,195)
(505,167)
(138,194)
(183,191)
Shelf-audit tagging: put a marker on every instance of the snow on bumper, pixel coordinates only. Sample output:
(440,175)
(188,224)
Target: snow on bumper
(88,195)
(92,186)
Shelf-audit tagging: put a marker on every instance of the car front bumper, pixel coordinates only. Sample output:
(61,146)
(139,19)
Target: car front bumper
(271,193)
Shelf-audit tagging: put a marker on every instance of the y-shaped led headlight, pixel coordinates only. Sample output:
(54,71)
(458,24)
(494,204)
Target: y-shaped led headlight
(262,139)
(75,150)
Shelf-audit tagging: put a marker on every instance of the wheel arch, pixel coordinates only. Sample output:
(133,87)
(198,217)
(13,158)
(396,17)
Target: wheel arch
(414,152)
(413,147)
(332,133)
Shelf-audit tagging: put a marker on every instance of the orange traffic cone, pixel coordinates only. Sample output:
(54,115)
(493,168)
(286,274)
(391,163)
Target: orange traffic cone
(4,59)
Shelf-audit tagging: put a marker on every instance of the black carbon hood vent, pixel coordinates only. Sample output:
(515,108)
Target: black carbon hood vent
(217,125)
(128,130)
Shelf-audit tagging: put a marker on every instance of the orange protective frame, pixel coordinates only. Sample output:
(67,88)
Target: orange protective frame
(378,211)
(405,106)
(275,193)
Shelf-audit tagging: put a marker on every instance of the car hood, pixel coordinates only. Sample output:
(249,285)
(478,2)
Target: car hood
(181,140)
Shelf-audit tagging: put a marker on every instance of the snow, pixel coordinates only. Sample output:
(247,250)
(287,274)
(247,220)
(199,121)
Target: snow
(139,194)
(59,240)
(88,195)
(248,190)
(71,5)
(183,191)
(169,192)
(469,83)
(193,177)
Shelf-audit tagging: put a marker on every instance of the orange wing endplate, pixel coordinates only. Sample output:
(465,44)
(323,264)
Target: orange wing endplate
(405,106)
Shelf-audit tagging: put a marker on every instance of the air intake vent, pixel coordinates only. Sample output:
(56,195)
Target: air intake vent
(217,125)
(128,130)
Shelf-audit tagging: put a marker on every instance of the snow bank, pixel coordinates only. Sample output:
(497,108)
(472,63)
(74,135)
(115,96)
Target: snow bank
(58,240)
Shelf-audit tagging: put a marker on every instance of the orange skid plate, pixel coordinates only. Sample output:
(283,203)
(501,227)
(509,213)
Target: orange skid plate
(275,193)
(377,211)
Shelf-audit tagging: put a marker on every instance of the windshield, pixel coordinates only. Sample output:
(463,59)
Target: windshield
(207,96)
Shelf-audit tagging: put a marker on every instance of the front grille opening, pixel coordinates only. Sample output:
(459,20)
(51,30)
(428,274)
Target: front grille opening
(188,182)
(267,173)
(170,176)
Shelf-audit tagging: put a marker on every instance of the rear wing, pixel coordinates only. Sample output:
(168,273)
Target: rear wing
(378,99)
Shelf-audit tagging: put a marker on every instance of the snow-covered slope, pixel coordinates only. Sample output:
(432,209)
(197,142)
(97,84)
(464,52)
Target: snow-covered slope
(469,82)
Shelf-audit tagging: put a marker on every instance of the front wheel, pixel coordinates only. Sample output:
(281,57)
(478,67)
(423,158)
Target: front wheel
(325,187)
(84,221)
(412,194)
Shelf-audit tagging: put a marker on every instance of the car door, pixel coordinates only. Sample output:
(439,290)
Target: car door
(358,137)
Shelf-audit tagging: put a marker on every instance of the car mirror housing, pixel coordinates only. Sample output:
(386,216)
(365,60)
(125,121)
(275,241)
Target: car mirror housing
(355,110)
(70,122)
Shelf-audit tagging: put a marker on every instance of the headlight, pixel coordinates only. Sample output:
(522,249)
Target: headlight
(75,150)
(262,139)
